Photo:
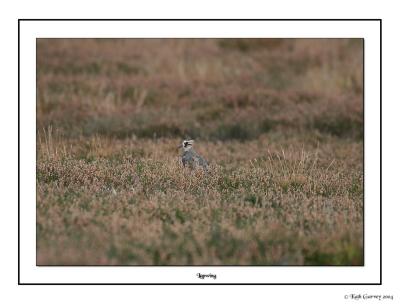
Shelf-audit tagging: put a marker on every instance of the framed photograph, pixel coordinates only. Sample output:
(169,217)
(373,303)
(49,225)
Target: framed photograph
(200,152)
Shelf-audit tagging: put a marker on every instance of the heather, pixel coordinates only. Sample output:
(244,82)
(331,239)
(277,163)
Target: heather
(279,120)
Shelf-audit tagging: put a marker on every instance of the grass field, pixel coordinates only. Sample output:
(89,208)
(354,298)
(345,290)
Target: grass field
(279,120)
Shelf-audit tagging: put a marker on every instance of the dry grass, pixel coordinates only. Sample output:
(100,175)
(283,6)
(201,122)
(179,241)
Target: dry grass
(281,122)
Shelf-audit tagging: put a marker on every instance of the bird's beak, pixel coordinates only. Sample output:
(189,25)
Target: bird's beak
(179,146)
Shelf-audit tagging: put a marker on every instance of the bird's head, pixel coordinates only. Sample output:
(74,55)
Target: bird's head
(186,144)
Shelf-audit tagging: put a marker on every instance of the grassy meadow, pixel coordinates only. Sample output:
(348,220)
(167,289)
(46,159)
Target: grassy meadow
(279,120)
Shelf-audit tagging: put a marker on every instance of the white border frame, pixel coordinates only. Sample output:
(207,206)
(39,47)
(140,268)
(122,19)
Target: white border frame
(31,30)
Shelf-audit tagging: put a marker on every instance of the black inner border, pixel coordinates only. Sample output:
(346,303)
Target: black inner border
(380,281)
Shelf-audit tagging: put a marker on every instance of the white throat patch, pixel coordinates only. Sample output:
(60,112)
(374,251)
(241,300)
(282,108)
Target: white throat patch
(187,145)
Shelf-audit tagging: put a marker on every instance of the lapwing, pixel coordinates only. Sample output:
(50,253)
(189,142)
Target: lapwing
(190,158)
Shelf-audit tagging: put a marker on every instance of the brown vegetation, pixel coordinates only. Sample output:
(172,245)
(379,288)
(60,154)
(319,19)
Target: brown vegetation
(280,121)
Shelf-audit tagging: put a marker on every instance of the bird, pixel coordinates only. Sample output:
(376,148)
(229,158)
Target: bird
(190,157)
